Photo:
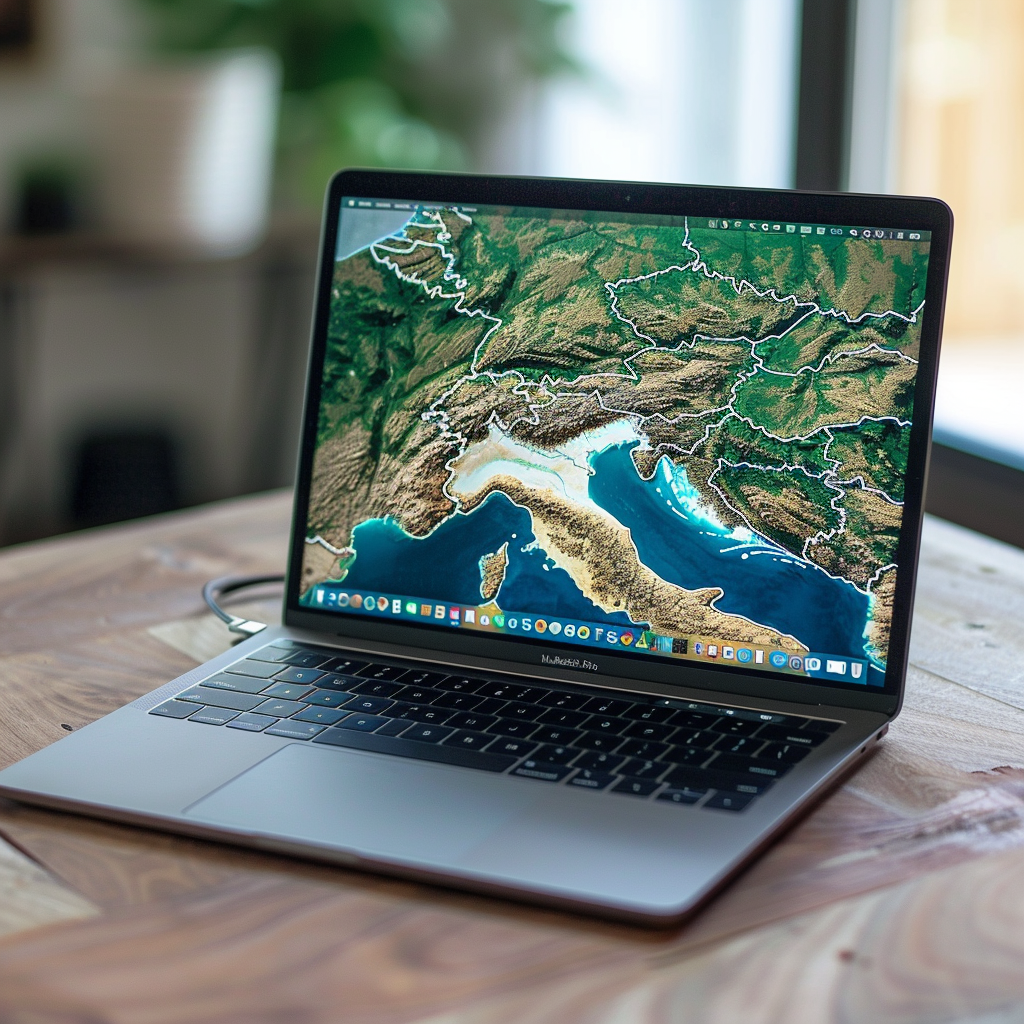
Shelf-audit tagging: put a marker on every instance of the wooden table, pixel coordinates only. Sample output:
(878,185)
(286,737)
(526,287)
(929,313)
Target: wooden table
(899,899)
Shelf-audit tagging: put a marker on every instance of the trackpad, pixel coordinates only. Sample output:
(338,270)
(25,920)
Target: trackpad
(385,807)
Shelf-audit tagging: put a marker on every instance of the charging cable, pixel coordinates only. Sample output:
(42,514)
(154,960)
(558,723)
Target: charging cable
(227,585)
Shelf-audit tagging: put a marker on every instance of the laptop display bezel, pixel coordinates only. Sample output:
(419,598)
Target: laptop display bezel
(654,199)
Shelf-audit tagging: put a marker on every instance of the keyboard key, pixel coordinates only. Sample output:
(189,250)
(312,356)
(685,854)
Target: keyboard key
(382,672)
(558,716)
(636,787)
(364,723)
(640,769)
(333,682)
(650,731)
(542,771)
(606,707)
(788,753)
(472,720)
(258,669)
(649,713)
(492,706)
(294,730)
(174,709)
(376,688)
(557,754)
(525,712)
(597,741)
(694,719)
(686,755)
(426,733)
(682,796)
(399,746)
(686,777)
(602,723)
(213,716)
(306,659)
(746,745)
(504,745)
(598,761)
(299,675)
(319,716)
(221,698)
(783,734)
(288,691)
(328,698)
(729,801)
(695,738)
(242,684)
(251,723)
(510,691)
(346,666)
(418,694)
(458,684)
(588,779)
(649,750)
(765,769)
(516,730)
(458,701)
(279,708)
(467,739)
(369,705)
(736,726)
(558,736)
(421,677)
(559,699)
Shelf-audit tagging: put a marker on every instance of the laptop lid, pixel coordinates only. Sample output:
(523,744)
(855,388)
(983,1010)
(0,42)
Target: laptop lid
(633,431)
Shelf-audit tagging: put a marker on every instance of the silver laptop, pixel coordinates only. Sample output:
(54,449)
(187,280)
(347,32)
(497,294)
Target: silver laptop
(603,553)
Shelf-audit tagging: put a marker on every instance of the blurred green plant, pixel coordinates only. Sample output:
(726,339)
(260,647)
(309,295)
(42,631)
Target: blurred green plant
(396,83)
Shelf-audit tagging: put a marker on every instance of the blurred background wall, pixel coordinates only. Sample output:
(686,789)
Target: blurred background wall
(162,163)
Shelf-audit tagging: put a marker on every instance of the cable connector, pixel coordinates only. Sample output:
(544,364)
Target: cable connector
(228,584)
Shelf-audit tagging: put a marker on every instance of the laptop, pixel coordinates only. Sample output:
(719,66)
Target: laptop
(603,550)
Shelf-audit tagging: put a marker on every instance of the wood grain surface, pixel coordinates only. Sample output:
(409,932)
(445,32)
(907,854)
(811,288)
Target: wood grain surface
(899,898)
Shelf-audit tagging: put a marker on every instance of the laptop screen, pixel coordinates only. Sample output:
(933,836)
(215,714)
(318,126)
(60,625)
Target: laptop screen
(674,437)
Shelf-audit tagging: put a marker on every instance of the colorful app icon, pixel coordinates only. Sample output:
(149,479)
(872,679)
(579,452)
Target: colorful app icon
(570,630)
(698,647)
(796,663)
(665,644)
(426,609)
(541,626)
(712,650)
(396,607)
(583,632)
(332,597)
(439,610)
(382,604)
(485,620)
(410,607)
(527,624)
(758,657)
(470,615)
(498,620)
(836,667)
(642,643)
(611,637)
(343,600)
(728,653)
(357,601)
(454,613)
(626,639)
(512,622)
(812,664)
(319,595)
(778,659)
(555,628)
(744,654)
(855,669)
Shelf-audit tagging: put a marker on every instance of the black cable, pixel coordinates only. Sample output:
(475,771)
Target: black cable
(227,585)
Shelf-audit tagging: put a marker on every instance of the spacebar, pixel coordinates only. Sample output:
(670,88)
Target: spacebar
(412,748)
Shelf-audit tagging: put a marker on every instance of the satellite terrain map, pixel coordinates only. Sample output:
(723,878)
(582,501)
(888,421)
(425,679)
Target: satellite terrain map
(654,422)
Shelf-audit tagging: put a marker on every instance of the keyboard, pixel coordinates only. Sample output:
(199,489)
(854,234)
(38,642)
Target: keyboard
(673,751)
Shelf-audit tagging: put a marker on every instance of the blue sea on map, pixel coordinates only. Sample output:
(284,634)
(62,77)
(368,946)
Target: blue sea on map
(767,585)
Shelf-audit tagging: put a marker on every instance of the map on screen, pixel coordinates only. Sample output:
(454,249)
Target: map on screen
(675,436)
